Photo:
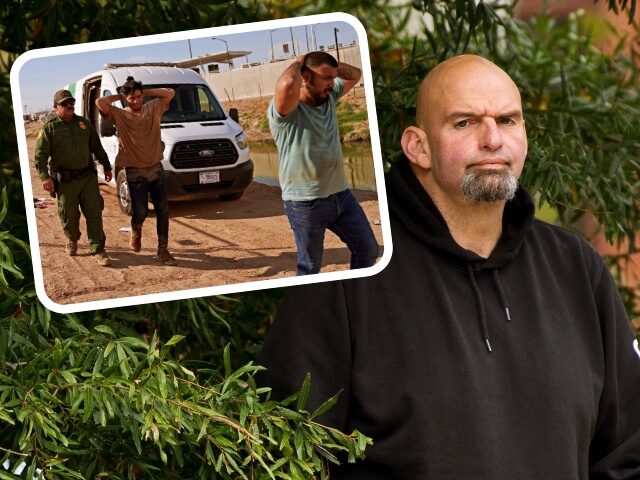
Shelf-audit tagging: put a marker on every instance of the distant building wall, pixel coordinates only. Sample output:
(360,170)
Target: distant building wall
(260,80)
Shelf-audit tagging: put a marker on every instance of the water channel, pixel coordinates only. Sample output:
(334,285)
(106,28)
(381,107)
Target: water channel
(358,164)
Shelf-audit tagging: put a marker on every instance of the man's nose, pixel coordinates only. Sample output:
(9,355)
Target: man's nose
(491,137)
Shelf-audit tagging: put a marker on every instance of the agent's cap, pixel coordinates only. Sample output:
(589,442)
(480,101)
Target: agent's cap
(61,95)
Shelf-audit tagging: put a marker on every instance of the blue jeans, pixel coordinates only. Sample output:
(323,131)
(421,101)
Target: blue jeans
(144,183)
(342,214)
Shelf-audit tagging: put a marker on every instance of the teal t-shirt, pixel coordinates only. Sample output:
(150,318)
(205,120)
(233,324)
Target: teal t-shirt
(308,142)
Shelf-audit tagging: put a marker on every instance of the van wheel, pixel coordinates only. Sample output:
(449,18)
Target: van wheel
(231,196)
(124,198)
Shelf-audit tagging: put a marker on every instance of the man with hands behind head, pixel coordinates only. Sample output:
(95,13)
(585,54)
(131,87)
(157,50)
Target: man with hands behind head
(140,153)
(64,160)
(303,122)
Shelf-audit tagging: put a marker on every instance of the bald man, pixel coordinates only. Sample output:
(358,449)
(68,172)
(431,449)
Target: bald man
(494,346)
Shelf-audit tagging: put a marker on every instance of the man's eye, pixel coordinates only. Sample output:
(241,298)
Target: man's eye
(462,123)
(506,120)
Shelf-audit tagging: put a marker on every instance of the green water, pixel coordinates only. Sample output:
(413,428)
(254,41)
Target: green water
(358,164)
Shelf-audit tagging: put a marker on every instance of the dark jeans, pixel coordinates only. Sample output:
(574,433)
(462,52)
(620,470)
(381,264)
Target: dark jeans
(342,214)
(144,183)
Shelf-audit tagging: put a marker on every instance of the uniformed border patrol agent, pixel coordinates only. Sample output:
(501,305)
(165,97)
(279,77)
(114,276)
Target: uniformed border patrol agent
(65,165)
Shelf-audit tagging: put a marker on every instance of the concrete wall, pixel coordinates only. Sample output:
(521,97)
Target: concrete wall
(260,80)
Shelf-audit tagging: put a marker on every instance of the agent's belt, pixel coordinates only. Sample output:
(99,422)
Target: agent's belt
(66,174)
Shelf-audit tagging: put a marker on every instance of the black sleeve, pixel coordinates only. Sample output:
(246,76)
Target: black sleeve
(311,334)
(615,445)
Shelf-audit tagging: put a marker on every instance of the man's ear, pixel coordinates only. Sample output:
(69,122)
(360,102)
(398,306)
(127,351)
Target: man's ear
(416,147)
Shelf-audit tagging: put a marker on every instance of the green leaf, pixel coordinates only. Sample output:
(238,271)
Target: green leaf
(303,395)
(162,383)
(227,361)
(4,475)
(326,406)
(175,339)
(68,376)
(106,330)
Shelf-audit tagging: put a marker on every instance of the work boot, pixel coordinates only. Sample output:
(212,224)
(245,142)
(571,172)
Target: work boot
(103,259)
(165,257)
(136,238)
(71,248)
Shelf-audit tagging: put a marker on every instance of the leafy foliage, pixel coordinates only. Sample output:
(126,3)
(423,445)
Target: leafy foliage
(618,6)
(153,389)
(582,106)
(90,404)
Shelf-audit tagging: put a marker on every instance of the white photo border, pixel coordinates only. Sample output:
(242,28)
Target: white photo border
(211,290)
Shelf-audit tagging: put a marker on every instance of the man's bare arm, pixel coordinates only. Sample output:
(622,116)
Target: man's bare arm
(104,103)
(288,88)
(350,74)
(165,95)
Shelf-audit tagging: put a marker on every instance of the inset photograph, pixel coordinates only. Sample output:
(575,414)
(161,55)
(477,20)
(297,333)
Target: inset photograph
(202,162)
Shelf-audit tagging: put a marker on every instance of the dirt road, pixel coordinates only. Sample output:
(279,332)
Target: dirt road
(215,243)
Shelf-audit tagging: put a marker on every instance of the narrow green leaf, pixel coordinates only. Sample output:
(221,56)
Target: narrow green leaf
(106,330)
(175,339)
(326,406)
(227,361)
(162,383)
(303,396)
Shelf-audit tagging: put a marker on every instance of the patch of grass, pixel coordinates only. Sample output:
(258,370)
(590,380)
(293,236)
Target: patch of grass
(344,107)
(352,117)
(344,128)
(264,123)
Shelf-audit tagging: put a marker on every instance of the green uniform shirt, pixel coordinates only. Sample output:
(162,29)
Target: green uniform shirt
(308,142)
(68,145)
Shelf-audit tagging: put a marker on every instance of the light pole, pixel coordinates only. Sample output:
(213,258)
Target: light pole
(293,47)
(272,50)
(306,32)
(233,95)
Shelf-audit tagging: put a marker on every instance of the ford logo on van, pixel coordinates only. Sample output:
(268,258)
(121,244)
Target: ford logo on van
(206,153)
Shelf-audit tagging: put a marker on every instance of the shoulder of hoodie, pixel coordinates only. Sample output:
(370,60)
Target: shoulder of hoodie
(569,244)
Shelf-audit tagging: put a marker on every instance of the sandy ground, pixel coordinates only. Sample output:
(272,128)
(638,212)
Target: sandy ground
(215,243)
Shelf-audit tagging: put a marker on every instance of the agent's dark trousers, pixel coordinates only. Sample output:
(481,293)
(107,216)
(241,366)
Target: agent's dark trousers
(82,194)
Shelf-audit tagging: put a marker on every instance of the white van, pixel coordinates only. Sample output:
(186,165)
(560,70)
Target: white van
(205,151)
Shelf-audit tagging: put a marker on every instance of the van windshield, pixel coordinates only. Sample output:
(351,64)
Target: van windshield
(191,103)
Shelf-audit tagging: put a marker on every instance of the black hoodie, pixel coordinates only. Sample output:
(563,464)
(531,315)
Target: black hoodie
(519,366)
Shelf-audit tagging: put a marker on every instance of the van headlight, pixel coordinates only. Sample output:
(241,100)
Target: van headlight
(241,141)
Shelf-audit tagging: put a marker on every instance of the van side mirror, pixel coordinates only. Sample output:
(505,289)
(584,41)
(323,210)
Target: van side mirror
(233,113)
(107,129)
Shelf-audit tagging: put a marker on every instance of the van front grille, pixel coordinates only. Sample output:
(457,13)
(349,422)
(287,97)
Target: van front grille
(207,187)
(203,153)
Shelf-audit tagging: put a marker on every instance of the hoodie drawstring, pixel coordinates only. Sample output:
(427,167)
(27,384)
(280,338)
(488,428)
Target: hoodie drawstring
(483,316)
(484,328)
(503,297)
